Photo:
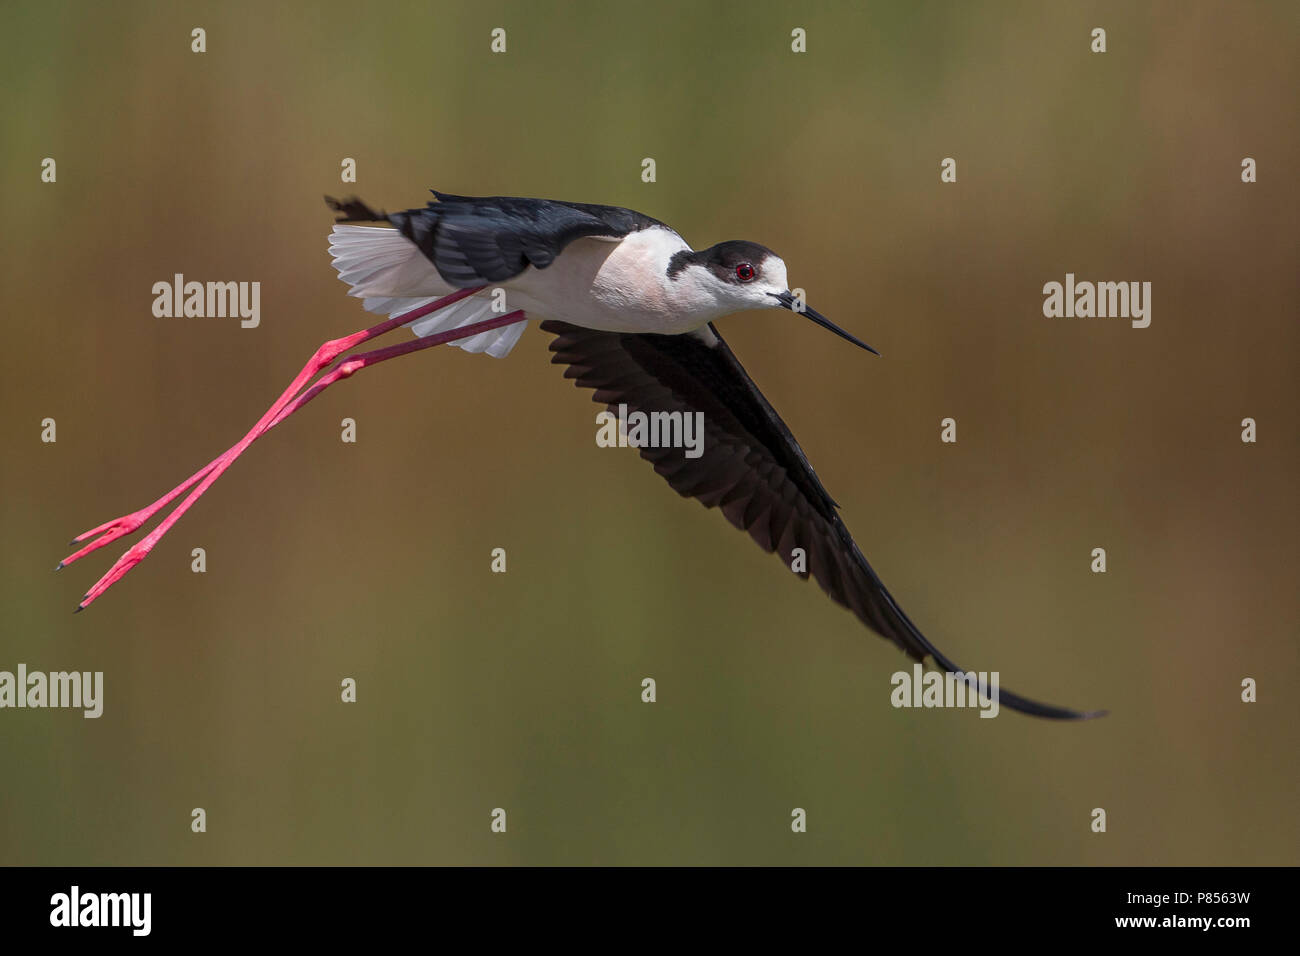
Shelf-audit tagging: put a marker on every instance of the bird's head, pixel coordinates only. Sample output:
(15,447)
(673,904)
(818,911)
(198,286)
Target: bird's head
(737,275)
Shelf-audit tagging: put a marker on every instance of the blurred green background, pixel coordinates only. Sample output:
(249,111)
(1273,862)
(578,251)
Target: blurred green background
(477,690)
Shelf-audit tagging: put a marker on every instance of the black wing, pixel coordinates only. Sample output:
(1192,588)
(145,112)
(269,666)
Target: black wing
(477,240)
(751,466)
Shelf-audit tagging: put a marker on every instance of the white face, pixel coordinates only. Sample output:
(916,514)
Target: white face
(737,275)
(733,277)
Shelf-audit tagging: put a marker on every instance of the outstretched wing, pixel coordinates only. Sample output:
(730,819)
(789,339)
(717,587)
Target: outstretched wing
(475,240)
(751,466)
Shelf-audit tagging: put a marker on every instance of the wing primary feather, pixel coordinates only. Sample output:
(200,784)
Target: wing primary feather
(751,468)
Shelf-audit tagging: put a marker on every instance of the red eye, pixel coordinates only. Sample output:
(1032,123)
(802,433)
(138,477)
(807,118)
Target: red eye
(744,272)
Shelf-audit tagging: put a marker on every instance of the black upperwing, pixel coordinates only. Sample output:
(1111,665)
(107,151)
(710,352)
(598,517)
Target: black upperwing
(751,466)
(477,240)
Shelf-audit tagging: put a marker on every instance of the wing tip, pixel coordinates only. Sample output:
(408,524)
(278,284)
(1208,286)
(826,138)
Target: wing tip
(448,197)
(924,648)
(353,209)
(1022,705)
(1048,711)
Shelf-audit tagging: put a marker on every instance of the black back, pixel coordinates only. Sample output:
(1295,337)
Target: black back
(476,240)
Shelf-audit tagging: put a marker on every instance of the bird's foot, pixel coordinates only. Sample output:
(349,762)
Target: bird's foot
(108,532)
(129,559)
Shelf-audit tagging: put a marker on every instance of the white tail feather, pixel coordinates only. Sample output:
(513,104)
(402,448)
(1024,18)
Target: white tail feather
(390,273)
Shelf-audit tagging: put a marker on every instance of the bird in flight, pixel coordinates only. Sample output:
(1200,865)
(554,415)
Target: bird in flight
(631,307)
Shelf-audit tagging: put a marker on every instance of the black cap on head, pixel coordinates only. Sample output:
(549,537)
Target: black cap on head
(723,259)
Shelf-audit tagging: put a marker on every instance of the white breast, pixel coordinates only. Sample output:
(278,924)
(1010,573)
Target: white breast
(617,286)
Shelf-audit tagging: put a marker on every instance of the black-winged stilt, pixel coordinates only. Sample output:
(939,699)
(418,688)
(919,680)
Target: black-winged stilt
(631,306)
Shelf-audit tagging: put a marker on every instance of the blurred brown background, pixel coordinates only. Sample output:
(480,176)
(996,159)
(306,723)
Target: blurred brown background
(521,690)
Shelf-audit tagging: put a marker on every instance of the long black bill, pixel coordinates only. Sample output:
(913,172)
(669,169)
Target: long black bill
(787,300)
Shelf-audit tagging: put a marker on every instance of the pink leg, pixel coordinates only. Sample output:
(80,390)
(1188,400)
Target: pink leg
(110,531)
(288,403)
(118,527)
(136,553)
(355,363)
